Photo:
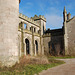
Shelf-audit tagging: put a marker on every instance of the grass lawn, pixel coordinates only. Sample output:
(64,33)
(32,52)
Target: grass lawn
(29,69)
(61,57)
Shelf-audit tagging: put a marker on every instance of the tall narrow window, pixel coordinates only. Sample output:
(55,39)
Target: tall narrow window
(43,29)
(30,28)
(36,43)
(34,29)
(25,26)
(27,46)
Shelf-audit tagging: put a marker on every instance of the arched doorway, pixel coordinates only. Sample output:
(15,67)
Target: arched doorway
(27,46)
(36,44)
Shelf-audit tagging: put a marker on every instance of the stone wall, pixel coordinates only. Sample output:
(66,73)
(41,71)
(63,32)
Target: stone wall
(70,25)
(57,45)
(32,33)
(9,21)
(32,38)
(46,40)
(54,42)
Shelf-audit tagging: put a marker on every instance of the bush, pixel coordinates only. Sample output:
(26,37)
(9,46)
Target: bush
(30,66)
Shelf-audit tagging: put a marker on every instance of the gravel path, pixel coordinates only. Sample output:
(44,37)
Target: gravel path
(66,69)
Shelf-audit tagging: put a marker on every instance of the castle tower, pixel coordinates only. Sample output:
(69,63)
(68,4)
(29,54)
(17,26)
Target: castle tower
(9,21)
(65,31)
(41,20)
(69,34)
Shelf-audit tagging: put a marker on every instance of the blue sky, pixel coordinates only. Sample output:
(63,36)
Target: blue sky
(51,9)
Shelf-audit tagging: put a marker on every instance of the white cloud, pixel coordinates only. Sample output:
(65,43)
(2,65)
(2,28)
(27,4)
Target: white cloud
(54,21)
(29,3)
(54,18)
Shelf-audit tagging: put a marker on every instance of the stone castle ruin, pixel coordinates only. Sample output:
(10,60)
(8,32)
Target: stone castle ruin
(20,35)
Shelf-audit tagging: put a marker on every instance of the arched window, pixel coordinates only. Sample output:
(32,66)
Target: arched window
(27,46)
(36,43)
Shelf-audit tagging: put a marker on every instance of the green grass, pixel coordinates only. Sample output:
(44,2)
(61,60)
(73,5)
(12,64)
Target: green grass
(61,57)
(29,69)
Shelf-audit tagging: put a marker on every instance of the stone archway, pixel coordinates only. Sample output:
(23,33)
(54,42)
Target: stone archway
(27,46)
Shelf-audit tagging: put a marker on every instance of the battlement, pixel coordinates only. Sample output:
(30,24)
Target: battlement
(70,19)
(39,17)
(47,35)
(27,19)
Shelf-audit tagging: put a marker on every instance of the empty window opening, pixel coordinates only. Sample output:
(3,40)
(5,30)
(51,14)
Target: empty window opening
(43,29)
(27,46)
(36,43)
(34,29)
(25,26)
(30,28)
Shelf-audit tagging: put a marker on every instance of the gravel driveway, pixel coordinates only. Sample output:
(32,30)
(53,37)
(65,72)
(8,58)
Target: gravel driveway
(65,69)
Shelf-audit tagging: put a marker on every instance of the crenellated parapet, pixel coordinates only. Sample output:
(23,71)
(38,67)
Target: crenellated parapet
(47,35)
(42,17)
(70,19)
(28,19)
(39,17)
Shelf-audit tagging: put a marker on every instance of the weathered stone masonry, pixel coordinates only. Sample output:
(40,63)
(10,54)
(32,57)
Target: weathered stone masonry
(33,32)
(61,41)
(20,35)
(69,33)
(9,51)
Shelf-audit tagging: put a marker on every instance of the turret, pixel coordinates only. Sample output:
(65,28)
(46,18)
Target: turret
(9,21)
(65,15)
(42,22)
(68,16)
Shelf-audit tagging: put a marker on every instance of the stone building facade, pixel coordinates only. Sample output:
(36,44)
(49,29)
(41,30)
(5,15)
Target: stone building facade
(30,35)
(69,33)
(61,41)
(48,42)
(54,42)
(20,35)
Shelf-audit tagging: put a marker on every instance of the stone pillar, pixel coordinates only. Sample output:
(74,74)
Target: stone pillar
(42,45)
(31,49)
(22,39)
(66,39)
(25,49)
(20,49)
(9,21)
(35,49)
(33,41)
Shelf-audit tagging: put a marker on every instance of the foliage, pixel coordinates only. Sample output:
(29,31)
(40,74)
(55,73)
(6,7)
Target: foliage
(28,69)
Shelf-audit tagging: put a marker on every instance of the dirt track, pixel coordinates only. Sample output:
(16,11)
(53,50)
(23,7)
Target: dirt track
(66,69)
